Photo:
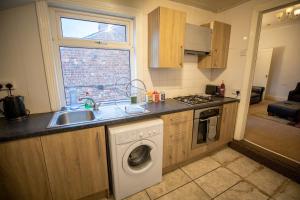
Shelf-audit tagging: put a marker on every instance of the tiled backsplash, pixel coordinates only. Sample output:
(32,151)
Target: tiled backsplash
(184,81)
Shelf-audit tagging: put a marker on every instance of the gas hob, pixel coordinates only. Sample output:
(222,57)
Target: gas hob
(194,99)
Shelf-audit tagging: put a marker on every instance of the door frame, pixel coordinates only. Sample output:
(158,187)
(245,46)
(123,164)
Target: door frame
(248,76)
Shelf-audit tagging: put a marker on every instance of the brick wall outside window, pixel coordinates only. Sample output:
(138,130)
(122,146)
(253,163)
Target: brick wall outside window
(94,71)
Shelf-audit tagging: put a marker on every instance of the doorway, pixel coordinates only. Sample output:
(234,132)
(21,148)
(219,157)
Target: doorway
(273,120)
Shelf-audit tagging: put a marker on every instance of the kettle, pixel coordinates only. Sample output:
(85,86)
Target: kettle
(14,108)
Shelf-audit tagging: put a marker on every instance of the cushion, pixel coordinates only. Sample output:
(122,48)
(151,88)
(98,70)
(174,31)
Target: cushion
(290,109)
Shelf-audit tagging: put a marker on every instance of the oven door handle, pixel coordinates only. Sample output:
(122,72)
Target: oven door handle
(208,119)
(204,120)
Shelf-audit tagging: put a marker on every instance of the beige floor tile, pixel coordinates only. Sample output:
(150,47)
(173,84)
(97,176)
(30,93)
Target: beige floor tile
(290,191)
(267,180)
(170,182)
(217,181)
(139,196)
(200,167)
(242,191)
(243,166)
(226,155)
(189,191)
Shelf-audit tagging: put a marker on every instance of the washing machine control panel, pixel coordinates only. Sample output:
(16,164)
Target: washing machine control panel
(137,135)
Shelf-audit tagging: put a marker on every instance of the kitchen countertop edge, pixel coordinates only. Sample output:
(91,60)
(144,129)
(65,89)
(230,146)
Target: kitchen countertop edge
(17,132)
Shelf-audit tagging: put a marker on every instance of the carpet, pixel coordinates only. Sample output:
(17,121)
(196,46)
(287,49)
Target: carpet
(260,110)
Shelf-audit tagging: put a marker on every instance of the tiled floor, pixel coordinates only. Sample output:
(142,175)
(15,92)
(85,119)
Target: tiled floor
(226,175)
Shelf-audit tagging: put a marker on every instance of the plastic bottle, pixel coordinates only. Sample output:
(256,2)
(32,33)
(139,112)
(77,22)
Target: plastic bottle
(162,96)
(73,98)
(222,89)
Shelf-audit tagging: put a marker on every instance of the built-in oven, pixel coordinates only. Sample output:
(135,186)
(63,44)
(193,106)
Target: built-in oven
(206,126)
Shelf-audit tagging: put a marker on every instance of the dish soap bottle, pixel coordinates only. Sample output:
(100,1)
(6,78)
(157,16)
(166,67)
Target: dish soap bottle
(222,89)
(89,102)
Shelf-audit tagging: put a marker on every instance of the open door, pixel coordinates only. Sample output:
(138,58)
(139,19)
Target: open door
(263,64)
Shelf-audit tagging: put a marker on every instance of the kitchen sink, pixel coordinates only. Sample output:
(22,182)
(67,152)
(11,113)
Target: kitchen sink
(71,117)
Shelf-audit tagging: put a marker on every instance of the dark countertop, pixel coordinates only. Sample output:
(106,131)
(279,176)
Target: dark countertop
(36,124)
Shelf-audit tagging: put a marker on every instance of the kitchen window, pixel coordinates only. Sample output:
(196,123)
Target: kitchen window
(94,52)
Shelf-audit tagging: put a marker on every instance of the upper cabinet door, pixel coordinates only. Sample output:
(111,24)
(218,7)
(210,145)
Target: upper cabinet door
(76,163)
(220,44)
(23,173)
(166,28)
(219,47)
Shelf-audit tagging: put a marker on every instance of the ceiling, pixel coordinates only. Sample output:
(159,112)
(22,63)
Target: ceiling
(270,20)
(4,4)
(212,5)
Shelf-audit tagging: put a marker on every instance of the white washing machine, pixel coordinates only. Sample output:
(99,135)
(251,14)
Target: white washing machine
(136,156)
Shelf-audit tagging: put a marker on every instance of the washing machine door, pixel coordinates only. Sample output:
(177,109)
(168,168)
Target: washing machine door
(140,157)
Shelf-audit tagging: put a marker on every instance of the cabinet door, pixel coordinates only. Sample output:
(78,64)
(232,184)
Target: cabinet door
(205,61)
(76,163)
(227,126)
(172,29)
(23,172)
(228,122)
(220,44)
(177,128)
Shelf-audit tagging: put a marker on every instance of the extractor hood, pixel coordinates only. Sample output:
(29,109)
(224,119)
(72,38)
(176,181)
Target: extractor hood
(197,40)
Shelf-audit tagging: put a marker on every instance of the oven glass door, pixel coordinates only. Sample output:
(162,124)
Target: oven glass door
(199,132)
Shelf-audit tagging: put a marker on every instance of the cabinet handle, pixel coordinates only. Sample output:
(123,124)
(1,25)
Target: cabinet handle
(181,56)
(99,146)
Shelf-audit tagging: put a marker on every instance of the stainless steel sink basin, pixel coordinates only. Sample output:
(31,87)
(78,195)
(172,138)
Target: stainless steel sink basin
(71,117)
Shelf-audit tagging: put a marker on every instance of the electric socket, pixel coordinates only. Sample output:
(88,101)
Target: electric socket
(3,83)
(236,92)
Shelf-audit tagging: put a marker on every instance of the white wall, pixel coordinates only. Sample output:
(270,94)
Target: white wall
(21,58)
(285,65)
(240,18)
(189,79)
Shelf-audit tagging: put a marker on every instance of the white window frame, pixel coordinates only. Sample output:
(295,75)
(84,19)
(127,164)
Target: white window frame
(58,40)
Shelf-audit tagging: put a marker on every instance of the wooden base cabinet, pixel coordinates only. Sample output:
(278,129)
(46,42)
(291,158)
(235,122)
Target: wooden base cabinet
(228,122)
(76,163)
(177,128)
(23,173)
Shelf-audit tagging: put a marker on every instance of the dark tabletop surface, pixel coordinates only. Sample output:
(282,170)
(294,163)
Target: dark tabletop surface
(36,124)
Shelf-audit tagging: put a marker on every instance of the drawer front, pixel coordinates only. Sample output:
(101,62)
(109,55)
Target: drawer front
(179,117)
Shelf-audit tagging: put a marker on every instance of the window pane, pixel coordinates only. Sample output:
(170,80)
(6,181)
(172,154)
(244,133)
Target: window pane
(94,71)
(73,28)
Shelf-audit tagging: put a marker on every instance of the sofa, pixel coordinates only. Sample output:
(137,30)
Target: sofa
(294,95)
(289,109)
(256,94)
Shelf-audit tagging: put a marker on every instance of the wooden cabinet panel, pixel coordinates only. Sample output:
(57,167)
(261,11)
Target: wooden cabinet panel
(219,47)
(179,117)
(220,44)
(205,61)
(166,28)
(23,172)
(177,128)
(228,122)
(227,126)
(76,163)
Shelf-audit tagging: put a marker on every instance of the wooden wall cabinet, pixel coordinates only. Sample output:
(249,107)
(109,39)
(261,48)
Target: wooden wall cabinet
(177,128)
(218,56)
(76,163)
(166,28)
(23,173)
